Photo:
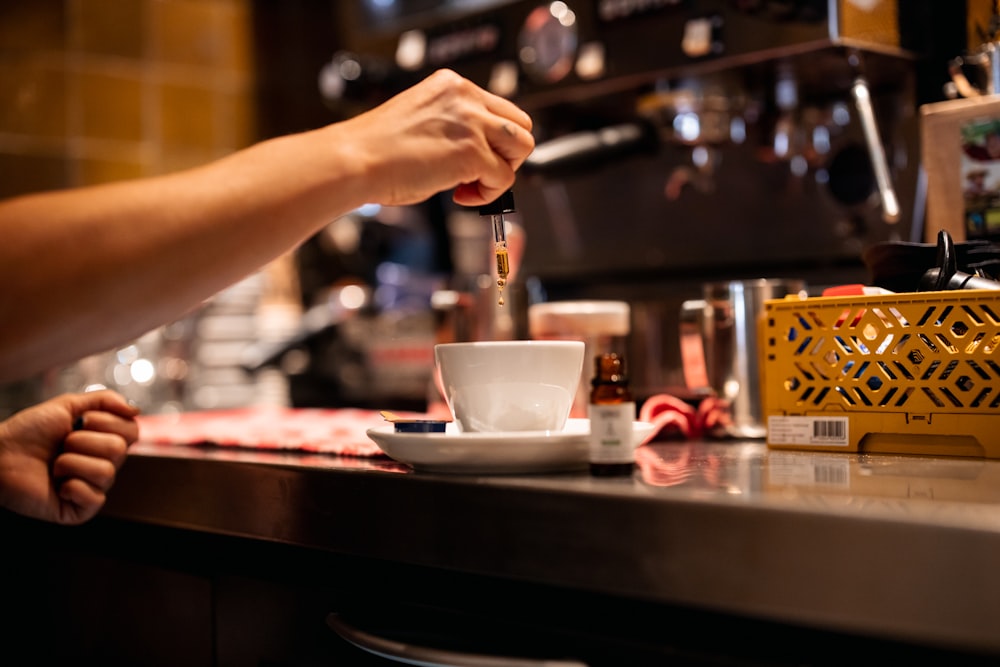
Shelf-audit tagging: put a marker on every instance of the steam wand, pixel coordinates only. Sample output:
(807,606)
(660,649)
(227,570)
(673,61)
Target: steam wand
(866,114)
(496,210)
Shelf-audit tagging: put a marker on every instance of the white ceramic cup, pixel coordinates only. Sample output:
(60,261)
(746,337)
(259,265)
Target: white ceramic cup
(501,386)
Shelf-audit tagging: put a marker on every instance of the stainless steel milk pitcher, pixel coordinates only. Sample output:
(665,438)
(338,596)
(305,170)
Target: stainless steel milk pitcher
(720,347)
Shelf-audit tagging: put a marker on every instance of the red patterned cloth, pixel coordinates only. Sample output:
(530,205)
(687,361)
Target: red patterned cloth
(340,431)
(675,418)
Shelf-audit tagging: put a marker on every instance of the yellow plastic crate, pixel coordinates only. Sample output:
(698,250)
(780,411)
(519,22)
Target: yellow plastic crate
(901,373)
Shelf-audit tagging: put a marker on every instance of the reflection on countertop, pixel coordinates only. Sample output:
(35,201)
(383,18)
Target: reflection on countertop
(753,469)
(208,452)
(746,471)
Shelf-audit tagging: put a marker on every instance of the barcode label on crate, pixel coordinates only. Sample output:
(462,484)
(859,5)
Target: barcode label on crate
(820,431)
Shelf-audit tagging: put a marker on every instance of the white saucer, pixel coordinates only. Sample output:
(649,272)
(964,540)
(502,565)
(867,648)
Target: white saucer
(493,453)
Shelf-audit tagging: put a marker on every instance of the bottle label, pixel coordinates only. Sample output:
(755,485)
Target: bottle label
(611,433)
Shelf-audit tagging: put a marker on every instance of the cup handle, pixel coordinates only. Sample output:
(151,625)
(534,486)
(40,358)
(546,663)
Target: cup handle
(692,341)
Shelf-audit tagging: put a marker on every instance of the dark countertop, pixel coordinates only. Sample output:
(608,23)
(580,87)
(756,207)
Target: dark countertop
(896,547)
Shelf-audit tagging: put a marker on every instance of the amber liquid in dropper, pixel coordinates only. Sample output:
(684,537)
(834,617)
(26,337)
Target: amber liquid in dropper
(503,269)
(503,260)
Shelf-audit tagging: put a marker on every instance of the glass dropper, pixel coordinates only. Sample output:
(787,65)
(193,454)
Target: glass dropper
(496,210)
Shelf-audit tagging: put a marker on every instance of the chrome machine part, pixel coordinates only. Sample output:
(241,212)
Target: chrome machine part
(876,151)
(426,656)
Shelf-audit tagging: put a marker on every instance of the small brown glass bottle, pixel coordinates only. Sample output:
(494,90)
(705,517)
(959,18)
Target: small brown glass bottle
(612,412)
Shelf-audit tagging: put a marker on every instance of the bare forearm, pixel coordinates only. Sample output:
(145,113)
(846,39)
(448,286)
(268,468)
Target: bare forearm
(83,270)
(98,266)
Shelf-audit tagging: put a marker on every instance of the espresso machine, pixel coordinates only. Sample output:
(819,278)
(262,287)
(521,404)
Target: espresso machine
(682,141)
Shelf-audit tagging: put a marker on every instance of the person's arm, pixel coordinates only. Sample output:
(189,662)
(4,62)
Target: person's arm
(59,458)
(83,270)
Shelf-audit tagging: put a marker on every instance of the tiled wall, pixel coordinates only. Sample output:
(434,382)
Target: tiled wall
(93,91)
(100,90)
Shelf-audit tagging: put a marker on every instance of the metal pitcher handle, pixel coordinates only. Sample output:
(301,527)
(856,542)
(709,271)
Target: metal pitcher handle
(692,340)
